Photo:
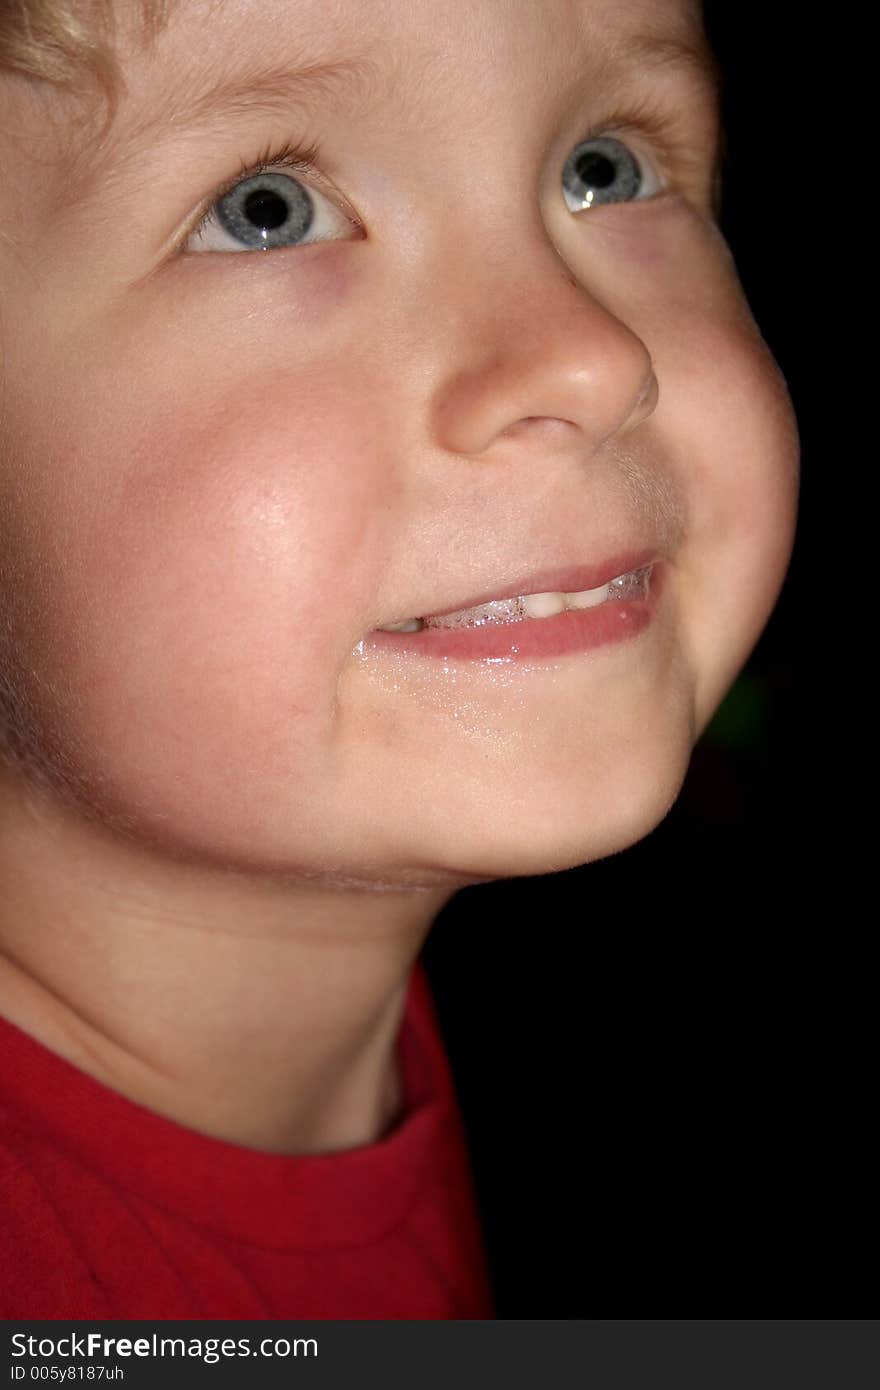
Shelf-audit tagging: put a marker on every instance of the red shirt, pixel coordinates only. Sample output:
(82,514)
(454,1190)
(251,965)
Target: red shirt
(108,1210)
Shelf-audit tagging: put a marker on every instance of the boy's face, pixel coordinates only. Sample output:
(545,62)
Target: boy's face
(222,469)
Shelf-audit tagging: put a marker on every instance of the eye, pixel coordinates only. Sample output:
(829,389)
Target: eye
(268,210)
(604,170)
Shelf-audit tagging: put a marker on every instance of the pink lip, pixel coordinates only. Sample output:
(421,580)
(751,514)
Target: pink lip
(576,630)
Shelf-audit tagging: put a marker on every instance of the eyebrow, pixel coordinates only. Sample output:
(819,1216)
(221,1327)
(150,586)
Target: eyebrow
(268,90)
(693,56)
(183,107)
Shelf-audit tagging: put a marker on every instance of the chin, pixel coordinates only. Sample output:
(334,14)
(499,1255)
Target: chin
(559,825)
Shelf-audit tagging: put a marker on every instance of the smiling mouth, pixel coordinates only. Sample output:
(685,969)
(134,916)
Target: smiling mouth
(632,585)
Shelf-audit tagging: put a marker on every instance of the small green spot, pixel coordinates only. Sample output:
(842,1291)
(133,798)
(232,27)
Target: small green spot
(741,720)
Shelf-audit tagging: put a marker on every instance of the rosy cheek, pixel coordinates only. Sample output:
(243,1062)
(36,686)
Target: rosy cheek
(177,555)
(244,526)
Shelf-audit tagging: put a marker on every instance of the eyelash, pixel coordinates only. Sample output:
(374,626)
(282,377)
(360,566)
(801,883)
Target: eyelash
(639,119)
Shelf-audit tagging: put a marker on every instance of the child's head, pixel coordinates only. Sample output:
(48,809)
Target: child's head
(472,322)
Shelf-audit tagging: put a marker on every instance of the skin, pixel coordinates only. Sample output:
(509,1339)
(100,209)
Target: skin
(230,823)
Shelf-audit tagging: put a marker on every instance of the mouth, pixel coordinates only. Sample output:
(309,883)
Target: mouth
(540,623)
(544,595)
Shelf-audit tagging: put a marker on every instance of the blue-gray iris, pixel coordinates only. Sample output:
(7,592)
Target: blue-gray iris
(266,210)
(601,171)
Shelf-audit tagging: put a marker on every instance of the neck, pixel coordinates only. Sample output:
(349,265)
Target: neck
(262,1013)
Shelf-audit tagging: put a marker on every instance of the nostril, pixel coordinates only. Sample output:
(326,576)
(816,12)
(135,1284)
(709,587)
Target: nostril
(645,404)
(549,424)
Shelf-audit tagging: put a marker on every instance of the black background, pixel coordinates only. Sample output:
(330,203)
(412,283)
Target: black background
(663,1058)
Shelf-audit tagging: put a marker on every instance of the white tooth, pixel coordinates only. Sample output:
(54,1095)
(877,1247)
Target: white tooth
(543,605)
(411,625)
(508,610)
(588,598)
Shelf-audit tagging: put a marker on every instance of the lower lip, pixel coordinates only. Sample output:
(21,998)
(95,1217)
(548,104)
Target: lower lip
(576,630)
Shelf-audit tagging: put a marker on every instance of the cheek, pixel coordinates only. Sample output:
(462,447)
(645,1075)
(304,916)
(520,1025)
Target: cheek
(739,459)
(190,595)
(725,424)
(742,407)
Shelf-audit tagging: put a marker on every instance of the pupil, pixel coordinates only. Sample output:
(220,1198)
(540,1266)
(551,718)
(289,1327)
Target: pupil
(595,169)
(265,208)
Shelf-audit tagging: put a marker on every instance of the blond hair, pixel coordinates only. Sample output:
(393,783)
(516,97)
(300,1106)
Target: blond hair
(63,41)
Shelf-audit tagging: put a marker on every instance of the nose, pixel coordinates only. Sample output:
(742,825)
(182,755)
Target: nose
(528,345)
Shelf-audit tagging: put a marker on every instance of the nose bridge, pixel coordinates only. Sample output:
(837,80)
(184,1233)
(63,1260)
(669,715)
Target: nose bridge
(520,338)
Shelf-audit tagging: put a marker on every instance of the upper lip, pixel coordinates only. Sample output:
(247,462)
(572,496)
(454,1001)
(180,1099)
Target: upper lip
(566,579)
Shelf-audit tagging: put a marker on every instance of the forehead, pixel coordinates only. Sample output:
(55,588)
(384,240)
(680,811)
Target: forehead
(447,22)
(217,58)
(315,20)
